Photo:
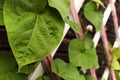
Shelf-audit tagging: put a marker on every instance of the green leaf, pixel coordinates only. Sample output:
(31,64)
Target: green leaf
(1,12)
(80,55)
(116,53)
(96,64)
(117,74)
(66,71)
(27,69)
(43,78)
(88,42)
(89,77)
(7,63)
(74,26)
(14,76)
(63,6)
(93,14)
(115,64)
(99,2)
(7,66)
(32,33)
(90,45)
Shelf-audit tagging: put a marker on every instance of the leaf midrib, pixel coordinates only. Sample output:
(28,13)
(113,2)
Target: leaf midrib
(32,33)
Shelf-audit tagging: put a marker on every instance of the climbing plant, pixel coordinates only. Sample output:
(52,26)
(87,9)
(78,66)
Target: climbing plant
(34,29)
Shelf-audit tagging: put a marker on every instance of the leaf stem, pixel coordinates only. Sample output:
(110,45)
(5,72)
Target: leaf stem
(92,71)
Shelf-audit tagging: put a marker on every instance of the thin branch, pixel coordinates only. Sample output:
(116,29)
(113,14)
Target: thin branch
(108,53)
(92,71)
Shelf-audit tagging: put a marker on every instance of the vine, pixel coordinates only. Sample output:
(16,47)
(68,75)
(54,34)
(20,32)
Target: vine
(34,29)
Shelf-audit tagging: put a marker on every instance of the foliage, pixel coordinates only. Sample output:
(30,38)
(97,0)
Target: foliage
(7,69)
(63,6)
(33,31)
(74,26)
(1,12)
(27,69)
(80,56)
(43,78)
(93,14)
(116,55)
(98,2)
(66,71)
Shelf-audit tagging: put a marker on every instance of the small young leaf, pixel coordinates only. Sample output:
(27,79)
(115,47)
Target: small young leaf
(63,6)
(66,71)
(115,64)
(93,14)
(116,53)
(74,26)
(81,56)
(99,2)
(1,12)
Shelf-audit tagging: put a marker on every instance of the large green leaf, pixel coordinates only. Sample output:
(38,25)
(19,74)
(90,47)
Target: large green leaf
(7,66)
(33,31)
(63,6)
(82,55)
(1,12)
(93,14)
(66,71)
